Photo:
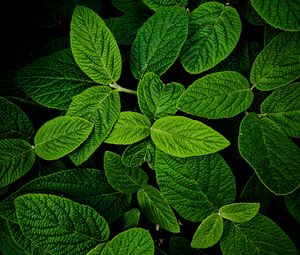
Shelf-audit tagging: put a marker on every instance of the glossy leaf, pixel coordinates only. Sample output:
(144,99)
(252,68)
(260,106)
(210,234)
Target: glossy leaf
(94,47)
(156,4)
(217,95)
(183,137)
(239,212)
(214,30)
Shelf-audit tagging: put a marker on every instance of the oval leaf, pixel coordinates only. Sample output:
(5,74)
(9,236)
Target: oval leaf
(183,137)
(214,30)
(94,47)
(217,95)
(60,136)
(239,212)
(156,4)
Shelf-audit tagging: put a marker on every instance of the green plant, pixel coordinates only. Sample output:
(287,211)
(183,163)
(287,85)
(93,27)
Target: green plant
(152,178)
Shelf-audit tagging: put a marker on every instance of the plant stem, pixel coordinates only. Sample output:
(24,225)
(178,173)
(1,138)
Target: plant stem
(121,89)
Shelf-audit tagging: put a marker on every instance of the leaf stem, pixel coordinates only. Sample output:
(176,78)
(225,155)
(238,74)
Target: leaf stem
(121,89)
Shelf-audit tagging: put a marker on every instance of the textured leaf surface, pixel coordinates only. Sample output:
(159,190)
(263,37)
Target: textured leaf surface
(122,178)
(60,226)
(156,99)
(214,30)
(131,219)
(156,209)
(196,186)
(283,14)
(258,236)
(97,250)
(130,127)
(292,202)
(156,4)
(101,106)
(217,95)
(159,41)
(60,136)
(283,107)
(94,47)
(182,246)
(16,159)
(14,124)
(136,241)
(183,137)
(239,212)
(273,156)
(53,80)
(278,63)
(209,232)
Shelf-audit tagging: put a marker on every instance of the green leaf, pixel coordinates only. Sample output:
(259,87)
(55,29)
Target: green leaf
(278,63)
(183,137)
(292,202)
(14,124)
(283,14)
(60,136)
(97,250)
(156,209)
(257,236)
(181,246)
(134,241)
(52,81)
(214,30)
(122,178)
(130,127)
(283,107)
(156,4)
(77,228)
(101,106)
(16,159)
(209,232)
(217,95)
(94,47)
(273,156)
(130,6)
(156,99)
(269,34)
(195,186)
(136,154)
(239,212)
(159,41)
(130,219)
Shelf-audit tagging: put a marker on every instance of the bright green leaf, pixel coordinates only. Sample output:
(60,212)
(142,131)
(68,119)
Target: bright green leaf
(94,47)
(156,209)
(209,232)
(77,228)
(278,63)
(130,127)
(156,99)
(183,137)
(214,30)
(122,178)
(134,241)
(156,4)
(159,41)
(101,106)
(292,202)
(217,95)
(130,219)
(273,156)
(97,250)
(16,159)
(195,186)
(239,212)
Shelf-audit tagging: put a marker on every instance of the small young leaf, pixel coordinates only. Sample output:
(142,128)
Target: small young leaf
(214,30)
(52,81)
(257,236)
(217,95)
(159,41)
(292,202)
(239,212)
(156,4)
(278,63)
(273,156)
(156,99)
(130,219)
(77,228)
(16,159)
(195,186)
(209,232)
(130,127)
(60,136)
(101,106)
(156,209)
(122,178)
(283,107)
(14,124)
(134,241)
(181,246)
(183,137)
(94,47)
